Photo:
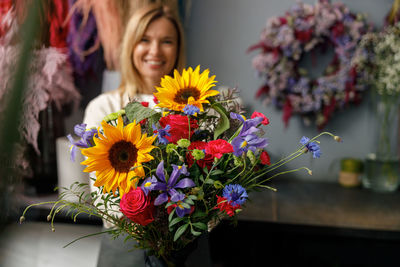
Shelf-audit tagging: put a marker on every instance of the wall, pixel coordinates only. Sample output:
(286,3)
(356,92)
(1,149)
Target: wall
(218,34)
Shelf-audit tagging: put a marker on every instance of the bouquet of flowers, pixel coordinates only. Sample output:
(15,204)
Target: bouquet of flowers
(165,175)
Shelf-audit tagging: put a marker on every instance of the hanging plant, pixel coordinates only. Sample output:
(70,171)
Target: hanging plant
(284,42)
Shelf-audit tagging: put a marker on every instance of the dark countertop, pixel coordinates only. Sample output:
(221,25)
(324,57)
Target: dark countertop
(324,204)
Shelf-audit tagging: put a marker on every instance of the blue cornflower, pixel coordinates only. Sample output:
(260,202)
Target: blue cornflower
(190,110)
(235,194)
(169,187)
(311,146)
(85,141)
(162,133)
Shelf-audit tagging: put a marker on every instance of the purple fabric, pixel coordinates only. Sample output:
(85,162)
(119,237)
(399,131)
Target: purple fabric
(81,38)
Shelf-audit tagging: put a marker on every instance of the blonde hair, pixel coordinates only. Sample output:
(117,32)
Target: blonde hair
(131,81)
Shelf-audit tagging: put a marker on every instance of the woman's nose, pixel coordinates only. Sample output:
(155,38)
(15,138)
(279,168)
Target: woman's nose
(155,48)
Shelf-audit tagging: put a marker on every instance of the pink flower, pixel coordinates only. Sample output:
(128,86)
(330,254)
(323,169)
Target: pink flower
(137,206)
(217,148)
(258,114)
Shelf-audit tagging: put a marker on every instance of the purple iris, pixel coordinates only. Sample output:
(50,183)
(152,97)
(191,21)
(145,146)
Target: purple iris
(149,184)
(235,194)
(169,187)
(241,144)
(86,140)
(247,139)
(311,146)
(181,210)
(190,110)
(162,133)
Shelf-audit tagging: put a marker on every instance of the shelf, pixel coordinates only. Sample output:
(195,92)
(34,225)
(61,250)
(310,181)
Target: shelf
(324,204)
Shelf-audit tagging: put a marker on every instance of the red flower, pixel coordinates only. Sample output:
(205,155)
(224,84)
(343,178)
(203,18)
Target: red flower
(179,127)
(338,29)
(258,114)
(223,205)
(282,20)
(303,36)
(208,159)
(217,148)
(155,100)
(137,206)
(265,159)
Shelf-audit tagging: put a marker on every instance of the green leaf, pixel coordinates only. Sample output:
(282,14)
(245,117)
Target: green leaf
(209,181)
(192,197)
(195,233)
(185,205)
(223,123)
(189,201)
(217,172)
(200,225)
(180,231)
(175,221)
(198,214)
(171,215)
(136,112)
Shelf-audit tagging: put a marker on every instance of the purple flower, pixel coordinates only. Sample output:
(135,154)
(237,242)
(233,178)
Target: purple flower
(235,194)
(149,184)
(311,146)
(249,126)
(247,139)
(162,132)
(182,208)
(190,110)
(169,186)
(85,141)
(241,144)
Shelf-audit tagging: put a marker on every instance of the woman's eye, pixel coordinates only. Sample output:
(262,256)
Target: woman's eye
(167,42)
(144,40)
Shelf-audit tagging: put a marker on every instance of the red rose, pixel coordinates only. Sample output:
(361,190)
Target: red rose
(137,206)
(265,159)
(179,127)
(258,114)
(218,147)
(208,159)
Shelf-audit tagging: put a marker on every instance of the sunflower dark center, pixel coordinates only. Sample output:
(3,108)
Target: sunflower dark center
(122,156)
(183,95)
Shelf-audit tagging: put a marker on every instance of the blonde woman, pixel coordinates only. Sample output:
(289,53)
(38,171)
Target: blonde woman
(152,46)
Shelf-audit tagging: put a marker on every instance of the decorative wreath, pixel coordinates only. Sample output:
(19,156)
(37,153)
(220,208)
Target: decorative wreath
(283,43)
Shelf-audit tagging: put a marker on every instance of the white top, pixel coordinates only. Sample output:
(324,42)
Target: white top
(108,103)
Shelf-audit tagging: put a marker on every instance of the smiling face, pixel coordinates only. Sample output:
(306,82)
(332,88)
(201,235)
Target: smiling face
(156,53)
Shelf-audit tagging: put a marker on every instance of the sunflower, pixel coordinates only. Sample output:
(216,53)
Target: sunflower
(192,88)
(118,155)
